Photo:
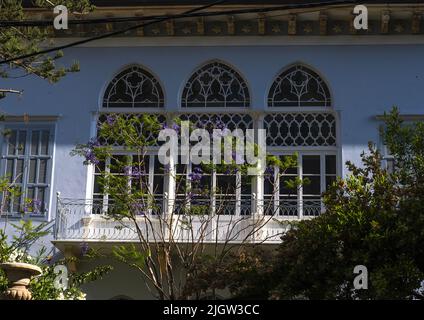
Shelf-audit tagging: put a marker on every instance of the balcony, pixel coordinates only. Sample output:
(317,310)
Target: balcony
(91,221)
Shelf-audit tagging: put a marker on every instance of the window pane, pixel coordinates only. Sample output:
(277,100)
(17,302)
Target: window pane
(16,202)
(42,173)
(9,169)
(11,150)
(32,170)
(289,170)
(21,142)
(19,171)
(159,167)
(44,143)
(41,197)
(314,187)
(330,164)
(329,180)
(269,185)
(34,142)
(181,168)
(143,162)
(30,193)
(226,184)
(246,185)
(158,184)
(205,183)
(181,184)
(311,164)
(97,187)
(118,163)
(283,186)
(100,167)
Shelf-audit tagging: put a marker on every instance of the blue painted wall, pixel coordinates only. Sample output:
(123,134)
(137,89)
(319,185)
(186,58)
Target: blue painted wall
(365,81)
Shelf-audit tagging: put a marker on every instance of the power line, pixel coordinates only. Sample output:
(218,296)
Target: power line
(189,13)
(108,34)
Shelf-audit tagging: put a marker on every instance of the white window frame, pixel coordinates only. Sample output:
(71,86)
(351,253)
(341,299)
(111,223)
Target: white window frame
(323,174)
(151,153)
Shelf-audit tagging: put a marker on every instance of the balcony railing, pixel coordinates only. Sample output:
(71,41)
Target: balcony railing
(201,220)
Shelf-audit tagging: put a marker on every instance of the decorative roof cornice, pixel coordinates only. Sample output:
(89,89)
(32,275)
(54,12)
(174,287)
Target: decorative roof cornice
(334,20)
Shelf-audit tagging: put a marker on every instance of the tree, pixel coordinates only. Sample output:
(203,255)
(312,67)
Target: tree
(374,218)
(17,41)
(175,237)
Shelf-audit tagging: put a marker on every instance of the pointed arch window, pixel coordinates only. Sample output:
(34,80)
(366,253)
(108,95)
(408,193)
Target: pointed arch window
(134,87)
(299,86)
(215,85)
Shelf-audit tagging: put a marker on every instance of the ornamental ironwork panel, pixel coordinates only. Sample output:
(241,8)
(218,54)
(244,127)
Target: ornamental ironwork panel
(215,85)
(219,121)
(300,129)
(134,88)
(119,141)
(299,86)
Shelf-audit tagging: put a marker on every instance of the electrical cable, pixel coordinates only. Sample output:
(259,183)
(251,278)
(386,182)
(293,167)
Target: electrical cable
(189,13)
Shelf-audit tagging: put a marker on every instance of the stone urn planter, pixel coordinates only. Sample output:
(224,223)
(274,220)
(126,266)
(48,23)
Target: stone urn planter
(19,276)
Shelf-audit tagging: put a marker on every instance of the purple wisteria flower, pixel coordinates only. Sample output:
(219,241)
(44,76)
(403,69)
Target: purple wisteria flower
(269,170)
(36,205)
(176,127)
(139,208)
(231,171)
(238,158)
(133,171)
(220,125)
(190,195)
(269,173)
(110,120)
(90,157)
(166,168)
(196,175)
(32,206)
(84,248)
(93,143)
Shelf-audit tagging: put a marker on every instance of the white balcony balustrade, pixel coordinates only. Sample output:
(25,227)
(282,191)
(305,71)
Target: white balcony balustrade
(201,220)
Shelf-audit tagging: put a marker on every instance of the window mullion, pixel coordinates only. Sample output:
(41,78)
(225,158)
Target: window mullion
(276,191)
(322,177)
(238,200)
(300,189)
(150,195)
(213,193)
(25,171)
(105,194)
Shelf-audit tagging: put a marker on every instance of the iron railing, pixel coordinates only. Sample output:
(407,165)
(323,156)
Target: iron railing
(211,220)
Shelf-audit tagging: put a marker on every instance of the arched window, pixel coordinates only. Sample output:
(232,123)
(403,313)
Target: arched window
(134,88)
(215,85)
(298,86)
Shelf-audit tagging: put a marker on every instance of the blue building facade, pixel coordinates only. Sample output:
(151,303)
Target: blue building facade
(319,93)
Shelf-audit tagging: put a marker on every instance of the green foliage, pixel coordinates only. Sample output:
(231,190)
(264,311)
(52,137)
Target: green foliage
(123,177)
(246,274)
(17,249)
(373,218)
(130,255)
(17,41)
